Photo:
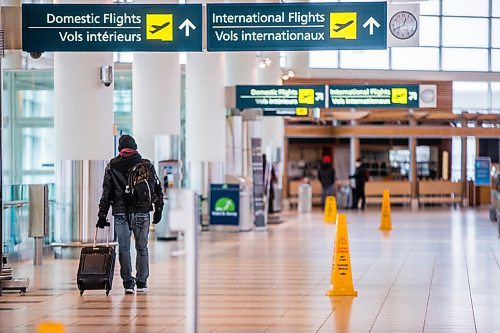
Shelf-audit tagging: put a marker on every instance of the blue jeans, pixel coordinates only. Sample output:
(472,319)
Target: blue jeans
(125,224)
(326,192)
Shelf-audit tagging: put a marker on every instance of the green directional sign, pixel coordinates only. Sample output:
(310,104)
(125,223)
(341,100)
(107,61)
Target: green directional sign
(281,97)
(296,26)
(373,96)
(89,27)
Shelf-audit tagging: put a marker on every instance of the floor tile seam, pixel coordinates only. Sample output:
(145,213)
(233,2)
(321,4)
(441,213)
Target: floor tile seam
(470,291)
(430,286)
(394,282)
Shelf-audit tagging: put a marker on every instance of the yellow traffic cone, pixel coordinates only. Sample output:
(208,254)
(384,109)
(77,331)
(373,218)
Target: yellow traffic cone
(330,210)
(341,278)
(385,222)
(50,327)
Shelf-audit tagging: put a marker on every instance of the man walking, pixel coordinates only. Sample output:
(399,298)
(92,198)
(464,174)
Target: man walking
(131,187)
(361,176)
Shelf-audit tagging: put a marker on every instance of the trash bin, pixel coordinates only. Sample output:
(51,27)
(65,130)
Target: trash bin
(305,198)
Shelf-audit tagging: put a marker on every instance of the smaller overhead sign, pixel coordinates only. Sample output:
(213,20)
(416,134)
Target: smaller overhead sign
(281,97)
(374,96)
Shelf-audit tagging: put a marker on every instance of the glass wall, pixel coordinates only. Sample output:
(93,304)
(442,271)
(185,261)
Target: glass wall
(450,31)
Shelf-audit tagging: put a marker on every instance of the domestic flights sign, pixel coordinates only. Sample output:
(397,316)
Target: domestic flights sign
(374,96)
(281,97)
(90,27)
(297,26)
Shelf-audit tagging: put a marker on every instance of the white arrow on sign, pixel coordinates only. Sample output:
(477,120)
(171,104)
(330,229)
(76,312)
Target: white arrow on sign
(187,25)
(372,23)
(413,96)
(320,96)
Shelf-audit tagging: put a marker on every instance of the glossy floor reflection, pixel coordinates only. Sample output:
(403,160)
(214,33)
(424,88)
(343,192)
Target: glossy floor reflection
(437,271)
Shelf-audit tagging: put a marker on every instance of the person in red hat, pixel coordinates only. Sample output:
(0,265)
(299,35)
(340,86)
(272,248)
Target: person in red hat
(326,176)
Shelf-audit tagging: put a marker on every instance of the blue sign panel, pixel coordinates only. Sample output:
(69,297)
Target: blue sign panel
(483,171)
(82,27)
(374,96)
(224,204)
(280,97)
(297,26)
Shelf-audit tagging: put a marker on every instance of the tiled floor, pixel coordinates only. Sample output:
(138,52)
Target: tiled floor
(437,271)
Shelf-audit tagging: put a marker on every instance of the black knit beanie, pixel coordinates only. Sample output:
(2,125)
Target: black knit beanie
(126,141)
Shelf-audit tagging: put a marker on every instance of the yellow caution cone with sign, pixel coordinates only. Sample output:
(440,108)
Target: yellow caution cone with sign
(50,327)
(330,210)
(385,222)
(341,278)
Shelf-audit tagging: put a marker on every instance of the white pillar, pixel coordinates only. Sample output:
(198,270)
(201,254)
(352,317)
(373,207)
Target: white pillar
(13,59)
(273,128)
(83,107)
(241,68)
(156,89)
(298,61)
(205,117)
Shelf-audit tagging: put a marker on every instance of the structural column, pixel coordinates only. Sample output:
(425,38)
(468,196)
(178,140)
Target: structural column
(241,68)
(464,173)
(83,121)
(354,148)
(205,119)
(298,61)
(156,88)
(412,142)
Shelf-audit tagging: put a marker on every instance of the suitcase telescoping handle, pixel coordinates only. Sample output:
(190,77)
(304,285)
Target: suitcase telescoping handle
(107,236)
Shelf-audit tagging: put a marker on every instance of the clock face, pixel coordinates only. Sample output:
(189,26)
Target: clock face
(427,95)
(403,25)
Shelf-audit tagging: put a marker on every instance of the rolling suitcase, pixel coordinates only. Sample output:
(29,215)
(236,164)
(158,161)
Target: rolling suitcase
(344,197)
(97,267)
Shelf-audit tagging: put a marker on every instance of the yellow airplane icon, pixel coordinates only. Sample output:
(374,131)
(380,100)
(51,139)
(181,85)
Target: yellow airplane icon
(160,27)
(343,25)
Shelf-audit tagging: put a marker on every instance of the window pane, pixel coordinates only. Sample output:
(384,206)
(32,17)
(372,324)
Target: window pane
(496,8)
(429,8)
(365,59)
(470,95)
(34,91)
(460,59)
(429,31)
(324,59)
(38,149)
(495,33)
(495,95)
(465,32)
(495,60)
(415,58)
(466,7)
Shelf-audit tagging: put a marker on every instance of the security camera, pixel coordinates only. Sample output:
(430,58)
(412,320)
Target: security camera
(36,55)
(107,75)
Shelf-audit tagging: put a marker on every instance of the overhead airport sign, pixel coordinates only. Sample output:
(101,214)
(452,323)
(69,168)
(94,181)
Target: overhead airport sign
(296,26)
(82,27)
(281,97)
(374,96)
(297,112)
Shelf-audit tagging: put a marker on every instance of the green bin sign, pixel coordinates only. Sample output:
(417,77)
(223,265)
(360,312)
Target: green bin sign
(281,97)
(119,28)
(373,96)
(297,26)
(224,204)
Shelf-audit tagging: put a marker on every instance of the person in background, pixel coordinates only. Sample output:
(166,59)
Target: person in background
(361,176)
(326,176)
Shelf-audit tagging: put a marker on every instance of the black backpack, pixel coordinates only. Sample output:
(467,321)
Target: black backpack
(143,186)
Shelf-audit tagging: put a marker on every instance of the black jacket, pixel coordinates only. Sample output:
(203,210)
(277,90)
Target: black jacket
(361,176)
(326,175)
(113,188)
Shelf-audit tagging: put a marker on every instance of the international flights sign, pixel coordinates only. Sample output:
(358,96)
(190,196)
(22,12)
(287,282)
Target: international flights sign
(83,27)
(297,26)
(374,96)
